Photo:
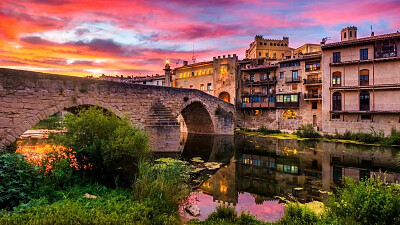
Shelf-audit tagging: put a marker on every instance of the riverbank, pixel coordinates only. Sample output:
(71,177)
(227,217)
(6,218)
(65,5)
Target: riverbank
(327,138)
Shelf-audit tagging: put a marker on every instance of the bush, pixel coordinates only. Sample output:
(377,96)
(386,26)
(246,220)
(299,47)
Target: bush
(162,185)
(107,148)
(18,179)
(307,131)
(265,130)
(369,202)
(394,138)
(297,214)
(111,208)
(227,215)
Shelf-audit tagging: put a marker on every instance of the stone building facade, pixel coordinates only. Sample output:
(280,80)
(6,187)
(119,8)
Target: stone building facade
(281,94)
(268,48)
(361,83)
(216,77)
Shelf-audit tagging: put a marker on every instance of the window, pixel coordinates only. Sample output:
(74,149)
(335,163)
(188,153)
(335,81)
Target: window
(190,86)
(202,87)
(336,57)
(295,75)
(289,64)
(281,75)
(314,105)
(266,54)
(274,55)
(265,43)
(283,54)
(209,86)
(350,34)
(337,101)
(260,43)
(337,173)
(256,113)
(364,54)
(364,101)
(294,98)
(274,44)
(365,117)
(279,98)
(313,66)
(245,99)
(336,79)
(344,35)
(364,77)
(262,76)
(256,99)
(192,74)
(252,77)
(335,116)
(259,53)
(264,90)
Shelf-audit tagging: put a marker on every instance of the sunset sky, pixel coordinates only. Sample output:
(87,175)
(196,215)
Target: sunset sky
(85,37)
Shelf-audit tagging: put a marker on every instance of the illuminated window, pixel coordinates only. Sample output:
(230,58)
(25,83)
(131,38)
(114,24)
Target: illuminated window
(279,98)
(256,112)
(336,79)
(202,87)
(279,167)
(209,86)
(281,75)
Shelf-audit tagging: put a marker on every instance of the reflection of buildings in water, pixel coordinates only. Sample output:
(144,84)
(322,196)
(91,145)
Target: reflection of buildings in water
(222,185)
(299,171)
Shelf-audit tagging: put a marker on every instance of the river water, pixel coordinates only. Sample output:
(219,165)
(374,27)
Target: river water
(259,174)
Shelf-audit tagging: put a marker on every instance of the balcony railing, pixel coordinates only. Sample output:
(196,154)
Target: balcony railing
(312,95)
(313,81)
(292,79)
(313,69)
(287,104)
(385,54)
(258,105)
(259,83)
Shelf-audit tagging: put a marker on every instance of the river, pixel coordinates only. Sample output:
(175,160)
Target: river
(259,174)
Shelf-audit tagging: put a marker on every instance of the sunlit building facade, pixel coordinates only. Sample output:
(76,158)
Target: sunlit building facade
(361,83)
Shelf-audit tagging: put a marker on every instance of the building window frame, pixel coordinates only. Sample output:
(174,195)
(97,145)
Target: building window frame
(364,54)
(364,101)
(336,57)
(336,79)
(337,101)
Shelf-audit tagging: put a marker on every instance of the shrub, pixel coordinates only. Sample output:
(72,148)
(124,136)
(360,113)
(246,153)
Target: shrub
(18,179)
(265,130)
(394,138)
(223,212)
(111,208)
(307,131)
(107,148)
(297,214)
(369,202)
(162,185)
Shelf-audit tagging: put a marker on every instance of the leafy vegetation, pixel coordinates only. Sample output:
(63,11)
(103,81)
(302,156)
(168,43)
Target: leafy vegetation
(107,148)
(265,130)
(18,179)
(225,215)
(307,131)
(163,184)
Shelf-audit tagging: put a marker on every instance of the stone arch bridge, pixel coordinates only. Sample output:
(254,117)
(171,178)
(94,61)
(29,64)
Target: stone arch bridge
(28,97)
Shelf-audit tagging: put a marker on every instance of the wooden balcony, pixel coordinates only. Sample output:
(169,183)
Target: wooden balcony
(292,79)
(287,104)
(313,81)
(271,81)
(258,105)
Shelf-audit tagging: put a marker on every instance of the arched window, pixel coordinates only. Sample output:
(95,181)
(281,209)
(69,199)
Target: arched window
(364,77)
(337,101)
(364,101)
(336,79)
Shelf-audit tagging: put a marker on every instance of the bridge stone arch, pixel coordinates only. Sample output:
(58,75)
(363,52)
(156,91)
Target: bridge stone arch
(28,97)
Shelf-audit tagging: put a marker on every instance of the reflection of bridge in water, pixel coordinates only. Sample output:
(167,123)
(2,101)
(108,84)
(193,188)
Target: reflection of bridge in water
(304,171)
(28,97)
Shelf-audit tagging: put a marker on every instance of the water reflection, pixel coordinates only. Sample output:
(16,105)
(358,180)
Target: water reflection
(262,170)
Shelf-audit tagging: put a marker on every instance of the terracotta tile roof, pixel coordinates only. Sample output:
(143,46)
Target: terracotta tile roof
(361,40)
